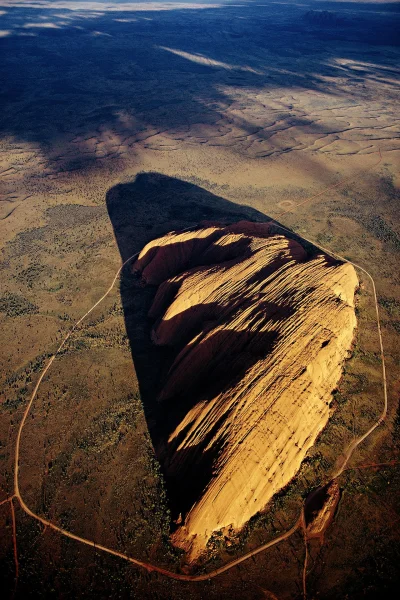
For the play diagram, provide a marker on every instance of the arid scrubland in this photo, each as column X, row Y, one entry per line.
column 123, row 121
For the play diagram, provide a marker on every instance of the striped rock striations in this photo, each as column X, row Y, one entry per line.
column 260, row 331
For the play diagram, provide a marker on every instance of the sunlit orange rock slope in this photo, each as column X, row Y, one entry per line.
column 260, row 332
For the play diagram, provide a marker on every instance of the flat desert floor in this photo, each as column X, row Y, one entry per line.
column 121, row 121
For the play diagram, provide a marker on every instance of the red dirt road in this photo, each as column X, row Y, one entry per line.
column 148, row 566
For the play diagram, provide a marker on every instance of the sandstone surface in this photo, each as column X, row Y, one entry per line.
column 260, row 330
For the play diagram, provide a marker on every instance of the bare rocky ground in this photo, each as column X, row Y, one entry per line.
column 119, row 122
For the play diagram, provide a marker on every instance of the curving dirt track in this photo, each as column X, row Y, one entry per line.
column 148, row 566
column 355, row 443
column 331, row 187
column 300, row 523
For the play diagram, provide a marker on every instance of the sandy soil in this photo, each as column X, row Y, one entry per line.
column 250, row 107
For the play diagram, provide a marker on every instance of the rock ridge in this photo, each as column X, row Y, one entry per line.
column 259, row 332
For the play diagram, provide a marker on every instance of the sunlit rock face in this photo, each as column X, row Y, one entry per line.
column 260, row 331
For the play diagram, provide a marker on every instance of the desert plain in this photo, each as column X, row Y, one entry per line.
column 123, row 121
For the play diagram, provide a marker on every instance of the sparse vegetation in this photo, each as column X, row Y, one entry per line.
column 260, row 107
column 391, row 305
column 15, row 305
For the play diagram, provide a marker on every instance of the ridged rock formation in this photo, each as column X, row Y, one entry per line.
column 260, row 332
column 326, row 501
